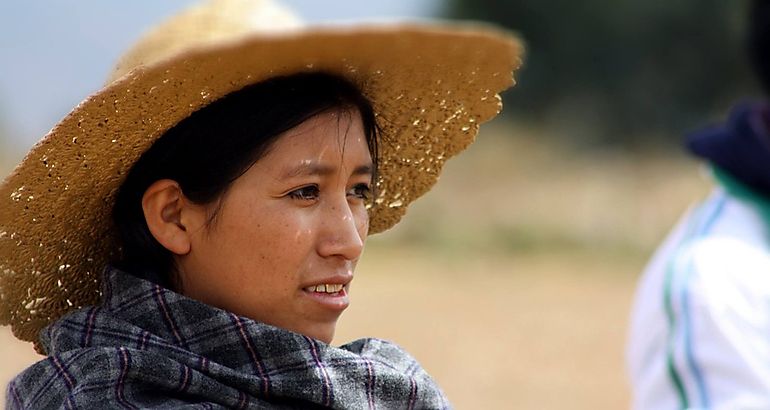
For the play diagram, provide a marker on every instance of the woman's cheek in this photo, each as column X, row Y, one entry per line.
column 362, row 222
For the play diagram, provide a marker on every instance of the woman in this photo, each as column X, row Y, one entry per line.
column 227, row 179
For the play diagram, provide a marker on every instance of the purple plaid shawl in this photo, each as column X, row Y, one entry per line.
column 148, row 347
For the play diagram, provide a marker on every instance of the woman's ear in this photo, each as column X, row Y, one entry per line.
column 163, row 204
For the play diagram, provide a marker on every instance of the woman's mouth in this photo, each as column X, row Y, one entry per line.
column 329, row 288
column 332, row 296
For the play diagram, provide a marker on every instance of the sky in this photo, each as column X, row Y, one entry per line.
column 54, row 53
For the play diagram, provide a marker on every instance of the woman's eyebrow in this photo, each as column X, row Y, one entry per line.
column 367, row 169
column 312, row 168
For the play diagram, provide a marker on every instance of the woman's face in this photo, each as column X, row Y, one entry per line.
column 288, row 233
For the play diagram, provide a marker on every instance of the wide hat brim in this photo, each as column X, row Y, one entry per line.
column 430, row 86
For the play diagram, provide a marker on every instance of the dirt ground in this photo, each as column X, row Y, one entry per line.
column 498, row 331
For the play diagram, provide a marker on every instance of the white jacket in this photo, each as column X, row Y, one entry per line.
column 700, row 325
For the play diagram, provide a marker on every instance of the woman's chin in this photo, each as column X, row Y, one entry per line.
column 323, row 332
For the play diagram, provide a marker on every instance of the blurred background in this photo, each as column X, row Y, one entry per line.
column 510, row 281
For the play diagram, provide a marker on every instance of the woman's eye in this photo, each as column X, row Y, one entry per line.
column 362, row 191
column 306, row 193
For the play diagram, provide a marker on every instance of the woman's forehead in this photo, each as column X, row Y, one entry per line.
column 308, row 168
column 321, row 145
column 340, row 122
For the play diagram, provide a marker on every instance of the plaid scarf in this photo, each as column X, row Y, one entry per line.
column 148, row 347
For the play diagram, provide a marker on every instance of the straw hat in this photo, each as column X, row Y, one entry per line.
column 430, row 86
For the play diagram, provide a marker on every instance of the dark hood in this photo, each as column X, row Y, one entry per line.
column 740, row 146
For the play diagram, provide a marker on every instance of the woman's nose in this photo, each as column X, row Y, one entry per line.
column 343, row 232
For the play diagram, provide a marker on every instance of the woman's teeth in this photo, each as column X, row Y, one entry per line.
column 327, row 288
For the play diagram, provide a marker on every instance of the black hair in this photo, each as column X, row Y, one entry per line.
column 758, row 40
column 207, row 151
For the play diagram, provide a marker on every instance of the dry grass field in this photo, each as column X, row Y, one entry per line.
column 511, row 281
column 500, row 331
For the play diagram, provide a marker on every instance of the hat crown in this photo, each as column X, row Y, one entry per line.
column 211, row 22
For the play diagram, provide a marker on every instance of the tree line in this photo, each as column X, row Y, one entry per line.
column 622, row 71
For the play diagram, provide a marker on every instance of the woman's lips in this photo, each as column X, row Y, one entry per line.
column 329, row 295
column 326, row 288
